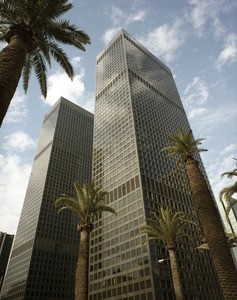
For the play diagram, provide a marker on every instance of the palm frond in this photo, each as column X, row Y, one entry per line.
column 183, row 145
column 226, row 196
column 57, row 32
column 26, row 73
column 8, row 12
column 104, row 208
column 51, row 10
column 89, row 202
column 61, row 58
column 230, row 205
column 40, row 71
column 65, row 202
column 203, row 247
column 167, row 226
column 44, row 46
column 68, row 207
column 231, row 239
column 230, row 174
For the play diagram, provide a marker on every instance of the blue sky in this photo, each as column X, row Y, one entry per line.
column 197, row 39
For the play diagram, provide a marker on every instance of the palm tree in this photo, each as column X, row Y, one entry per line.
column 32, row 29
column 169, row 228
column 89, row 202
column 185, row 146
column 227, row 192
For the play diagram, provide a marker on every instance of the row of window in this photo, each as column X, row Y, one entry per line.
column 108, row 86
column 113, row 45
column 148, row 54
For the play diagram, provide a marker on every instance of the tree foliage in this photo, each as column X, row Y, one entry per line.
column 89, row 202
column 167, row 226
column 39, row 23
column 227, row 193
column 183, row 145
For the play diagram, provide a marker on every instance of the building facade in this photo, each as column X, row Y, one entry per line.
column 137, row 104
column 5, row 249
column 43, row 260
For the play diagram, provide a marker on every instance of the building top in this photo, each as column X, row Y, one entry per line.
column 69, row 103
column 121, row 32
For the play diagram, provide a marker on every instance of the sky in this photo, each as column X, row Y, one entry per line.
column 196, row 39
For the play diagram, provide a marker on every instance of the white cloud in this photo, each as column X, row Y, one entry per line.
column 218, row 27
column 59, row 84
column 75, row 61
column 121, row 19
column 206, row 14
column 14, row 176
column 18, row 109
column 217, row 168
column 229, row 148
column 198, row 15
column 116, row 14
column 109, row 34
column 204, row 114
column 219, row 116
column 165, row 41
column 139, row 16
column 119, row 16
column 88, row 101
column 19, row 141
column 229, row 53
column 196, row 93
column 196, row 112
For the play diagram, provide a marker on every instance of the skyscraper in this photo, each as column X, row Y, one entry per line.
column 137, row 104
column 5, row 249
column 43, row 260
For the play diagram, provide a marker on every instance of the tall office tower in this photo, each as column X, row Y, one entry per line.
column 5, row 249
column 44, row 255
column 137, row 104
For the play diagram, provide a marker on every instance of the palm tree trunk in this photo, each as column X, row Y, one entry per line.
column 12, row 60
column 213, row 230
column 81, row 286
column 175, row 275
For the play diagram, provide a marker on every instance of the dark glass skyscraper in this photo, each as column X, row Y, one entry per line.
column 43, row 260
column 5, row 249
column 137, row 104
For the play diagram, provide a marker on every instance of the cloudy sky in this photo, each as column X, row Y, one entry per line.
column 197, row 39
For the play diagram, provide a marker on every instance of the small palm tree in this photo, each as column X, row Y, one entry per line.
column 185, row 147
column 89, row 202
column 227, row 192
column 33, row 32
column 169, row 228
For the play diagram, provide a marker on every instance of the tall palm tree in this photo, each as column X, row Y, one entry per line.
column 169, row 228
column 89, row 202
column 185, row 147
column 227, row 192
column 34, row 32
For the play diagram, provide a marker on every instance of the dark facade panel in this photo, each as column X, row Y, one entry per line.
column 43, row 260
column 5, row 250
